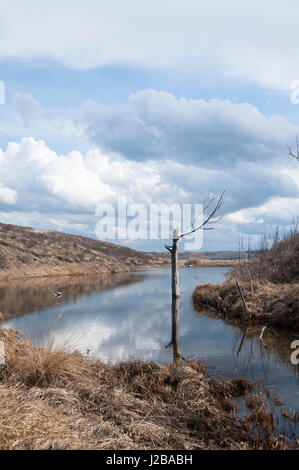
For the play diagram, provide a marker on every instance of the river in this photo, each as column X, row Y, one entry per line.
column 128, row 316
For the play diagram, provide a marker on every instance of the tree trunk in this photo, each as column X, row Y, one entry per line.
column 174, row 332
column 175, row 268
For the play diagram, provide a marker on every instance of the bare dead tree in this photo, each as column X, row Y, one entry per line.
column 211, row 206
column 292, row 153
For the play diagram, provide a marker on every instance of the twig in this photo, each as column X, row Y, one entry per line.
column 242, row 296
column 242, row 341
column 207, row 305
column 250, row 278
column 209, row 220
column 291, row 153
column 262, row 332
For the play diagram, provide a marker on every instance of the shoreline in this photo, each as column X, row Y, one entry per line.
column 206, row 263
column 266, row 304
column 262, row 290
column 51, row 272
column 41, row 271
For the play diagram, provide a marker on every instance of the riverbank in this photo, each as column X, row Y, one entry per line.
column 206, row 263
column 263, row 290
column 58, row 400
column 268, row 304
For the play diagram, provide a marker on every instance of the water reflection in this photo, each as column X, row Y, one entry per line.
column 132, row 320
column 20, row 297
column 259, row 344
column 268, row 344
column 174, row 343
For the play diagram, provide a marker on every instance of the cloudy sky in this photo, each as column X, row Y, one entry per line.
column 156, row 102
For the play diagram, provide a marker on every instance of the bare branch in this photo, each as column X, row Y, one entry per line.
column 211, row 217
column 209, row 200
column 294, row 154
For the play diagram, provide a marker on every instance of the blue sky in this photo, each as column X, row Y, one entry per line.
column 154, row 102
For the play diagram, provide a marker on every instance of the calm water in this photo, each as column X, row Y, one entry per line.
column 129, row 316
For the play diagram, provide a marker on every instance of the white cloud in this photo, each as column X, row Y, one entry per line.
column 7, row 195
column 274, row 212
column 48, row 190
column 156, row 125
column 247, row 40
column 76, row 182
column 156, row 148
column 46, row 181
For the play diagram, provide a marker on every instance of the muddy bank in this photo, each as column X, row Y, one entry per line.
column 269, row 304
column 55, row 400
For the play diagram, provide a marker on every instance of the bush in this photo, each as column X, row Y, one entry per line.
column 277, row 264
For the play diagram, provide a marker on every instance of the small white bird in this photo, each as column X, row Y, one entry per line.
column 57, row 294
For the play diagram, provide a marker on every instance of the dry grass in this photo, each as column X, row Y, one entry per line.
column 203, row 263
column 276, row 264
column 270, row 284
column 270, row 304
column 54, row 400
column 26, row 252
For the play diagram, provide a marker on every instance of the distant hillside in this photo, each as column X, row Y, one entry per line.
column 212, row 255
column 219, row 255
column 205, row 262
column 27, row 252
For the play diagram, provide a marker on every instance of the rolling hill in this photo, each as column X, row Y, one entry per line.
column 27, row 252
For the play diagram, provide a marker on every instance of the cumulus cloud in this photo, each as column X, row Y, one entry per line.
column 154, row 149
column 78, row 182
column 236, row 38
column 7, row 195
column 50, row 190
column 44, row 180
column 157, row 125
column 276, row 211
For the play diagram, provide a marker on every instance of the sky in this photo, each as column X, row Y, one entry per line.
column 151, row 102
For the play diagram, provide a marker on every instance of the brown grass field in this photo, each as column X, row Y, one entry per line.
column 50, row 399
